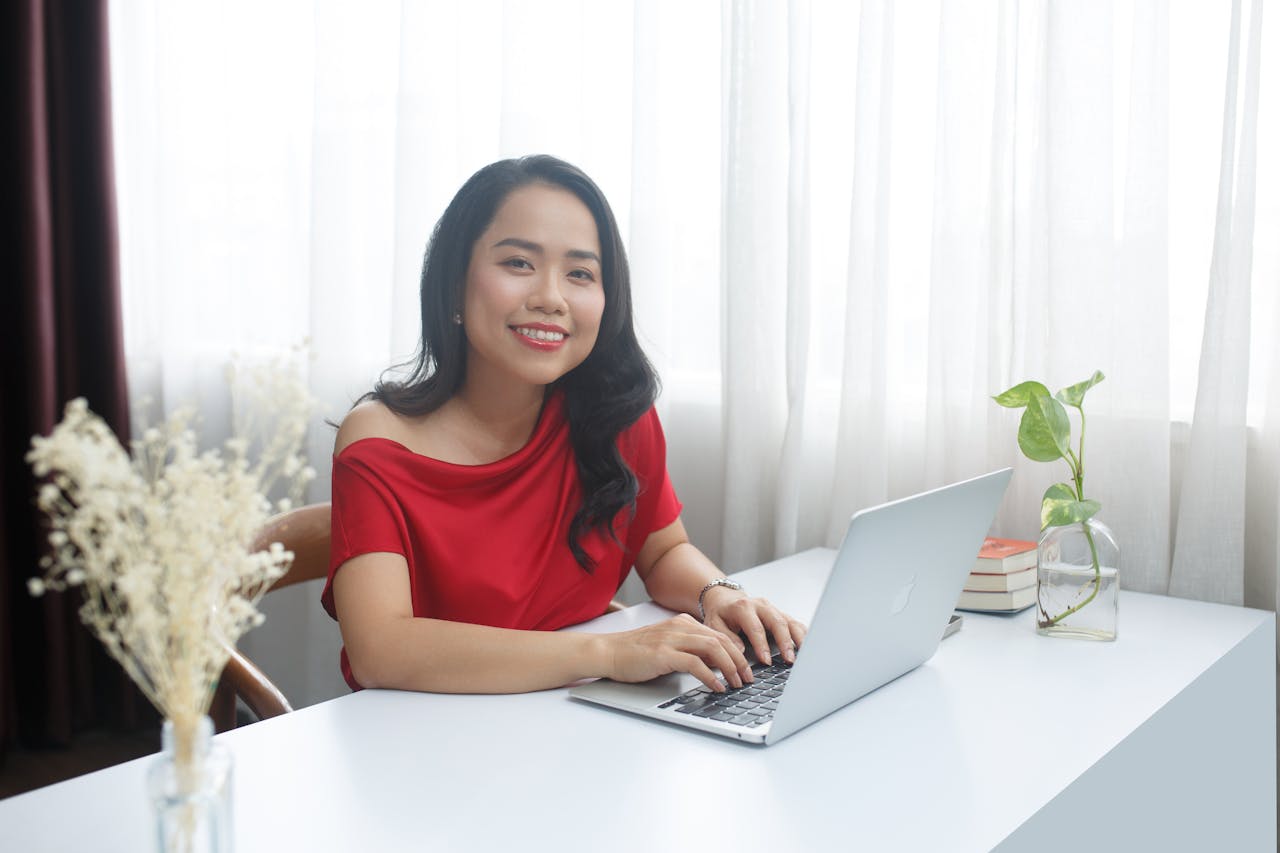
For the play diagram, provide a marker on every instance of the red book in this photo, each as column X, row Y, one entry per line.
column 1005, row 556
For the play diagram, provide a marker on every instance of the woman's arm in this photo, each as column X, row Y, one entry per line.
column 389, row 647
column 675, row 573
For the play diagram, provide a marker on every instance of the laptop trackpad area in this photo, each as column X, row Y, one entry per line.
column 639, row 696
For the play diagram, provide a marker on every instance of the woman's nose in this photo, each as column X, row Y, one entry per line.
column 545, row 294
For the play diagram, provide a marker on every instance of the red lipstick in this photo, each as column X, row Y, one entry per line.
column 545, row 338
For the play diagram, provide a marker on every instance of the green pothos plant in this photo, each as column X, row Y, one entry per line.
column 1044, row 435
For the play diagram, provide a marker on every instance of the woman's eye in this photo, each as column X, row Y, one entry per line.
column 519, row 264
column 583, row 275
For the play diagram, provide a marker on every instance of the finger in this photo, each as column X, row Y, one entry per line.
column 721, row 626
column 694, row 665
column 798, row 631
column 756, row 636
column 735, row 649
column 705, row 642
column 715, row 649
column 708, row 647
column 780, row 628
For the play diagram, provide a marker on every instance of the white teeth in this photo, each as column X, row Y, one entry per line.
column 541, row 335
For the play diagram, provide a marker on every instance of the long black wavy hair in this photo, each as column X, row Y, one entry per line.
column 603, row 396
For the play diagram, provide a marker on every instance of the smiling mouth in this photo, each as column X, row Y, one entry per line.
column 541, row 335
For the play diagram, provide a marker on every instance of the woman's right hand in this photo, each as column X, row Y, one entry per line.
column 680, row 644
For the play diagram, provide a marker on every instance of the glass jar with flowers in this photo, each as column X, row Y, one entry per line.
column 1078, row 560
column 157, row 542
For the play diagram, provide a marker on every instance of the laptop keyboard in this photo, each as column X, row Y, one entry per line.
column 751, row 705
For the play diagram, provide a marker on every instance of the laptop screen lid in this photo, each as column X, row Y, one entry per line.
column 895, row 581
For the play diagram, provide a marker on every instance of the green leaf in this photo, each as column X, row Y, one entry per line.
column 1019, row 395
column 1060, row 507
column 1059, row 492
column 1074, row 395
column 1045, row 432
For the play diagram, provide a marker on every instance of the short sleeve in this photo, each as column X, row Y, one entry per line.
column 644, row 446
column 366, row 516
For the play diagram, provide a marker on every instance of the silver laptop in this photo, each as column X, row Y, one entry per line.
column 890, row 593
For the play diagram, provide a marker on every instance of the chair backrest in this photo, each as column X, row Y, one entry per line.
column 304, row 531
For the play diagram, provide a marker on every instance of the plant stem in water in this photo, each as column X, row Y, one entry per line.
column 1097, row 580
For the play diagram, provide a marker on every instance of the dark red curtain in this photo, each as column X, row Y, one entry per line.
column 61, row 338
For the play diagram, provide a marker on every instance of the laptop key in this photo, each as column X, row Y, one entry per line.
column 694, row 707
column 722, row 717
column 743, row 720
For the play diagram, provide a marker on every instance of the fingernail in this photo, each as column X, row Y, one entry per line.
column 720, row 688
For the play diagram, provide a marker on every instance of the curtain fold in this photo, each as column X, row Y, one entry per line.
column 1208, row 557
column 753, row 329
column 969, row 149
column 861, row 471
column 62, row 338
column 1134, row 433
column 799, row 272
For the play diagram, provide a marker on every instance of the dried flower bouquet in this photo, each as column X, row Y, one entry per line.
column 158, row 540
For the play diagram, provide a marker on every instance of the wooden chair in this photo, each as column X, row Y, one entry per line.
column 304, row 531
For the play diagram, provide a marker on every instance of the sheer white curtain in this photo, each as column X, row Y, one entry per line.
column 849, row 225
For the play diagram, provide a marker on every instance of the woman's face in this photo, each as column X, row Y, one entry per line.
column 534, row 295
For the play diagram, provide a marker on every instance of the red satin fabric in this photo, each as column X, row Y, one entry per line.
column 487, row 544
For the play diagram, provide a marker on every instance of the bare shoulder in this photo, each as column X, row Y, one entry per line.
column 370, row 419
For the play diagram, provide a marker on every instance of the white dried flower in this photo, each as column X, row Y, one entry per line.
column 157, row 539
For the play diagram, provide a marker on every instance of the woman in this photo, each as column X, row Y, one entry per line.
column 506, row 487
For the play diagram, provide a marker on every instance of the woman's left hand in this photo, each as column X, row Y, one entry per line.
column 733, row 612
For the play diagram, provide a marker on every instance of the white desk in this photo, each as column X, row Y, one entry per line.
column 1171, row 745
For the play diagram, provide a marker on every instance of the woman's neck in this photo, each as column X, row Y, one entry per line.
column 505, row 412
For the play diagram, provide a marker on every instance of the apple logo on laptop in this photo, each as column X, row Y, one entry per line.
column 903, row 597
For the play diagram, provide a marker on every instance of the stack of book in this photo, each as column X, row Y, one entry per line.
column 1004, row 578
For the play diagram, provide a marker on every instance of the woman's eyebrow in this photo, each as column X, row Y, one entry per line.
column 583, row 255
column 536, row 248
column 527, row 245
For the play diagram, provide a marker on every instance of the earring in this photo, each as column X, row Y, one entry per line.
column 457, row 319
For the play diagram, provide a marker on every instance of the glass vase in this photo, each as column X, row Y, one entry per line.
column 1078, row 582
column 190, row 787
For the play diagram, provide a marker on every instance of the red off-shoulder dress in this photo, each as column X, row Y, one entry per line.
column 487, row 544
